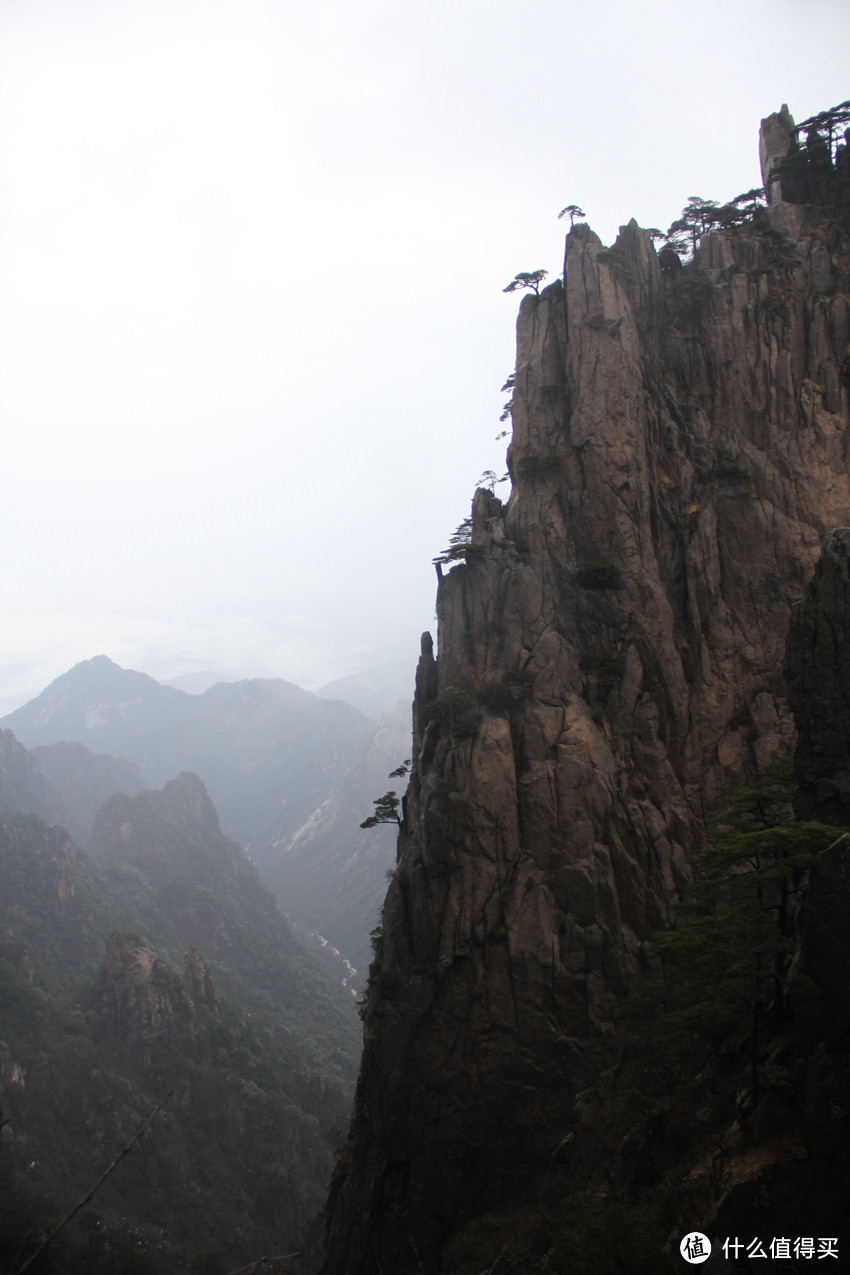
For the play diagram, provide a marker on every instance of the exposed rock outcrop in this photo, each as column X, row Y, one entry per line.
column 610, row 663
column 169, row 832
column 200, row 983
column 142, row 999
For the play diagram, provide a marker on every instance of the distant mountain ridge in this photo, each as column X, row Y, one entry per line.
column 62, row 783
column 23, row 783
column 375, row 691
column 196, row 683
column 84, row 781
column 291, row 774
column 241, row 737
column 94, row 703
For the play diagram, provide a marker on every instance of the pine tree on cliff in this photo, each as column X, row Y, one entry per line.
column 527, row 279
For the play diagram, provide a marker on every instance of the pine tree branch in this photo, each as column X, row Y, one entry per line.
column 124, row 1151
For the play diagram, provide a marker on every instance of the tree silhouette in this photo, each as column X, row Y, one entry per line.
column 489, row 479
column 728, row 964
column 817, row 171
column 386, row 807
column 508, row 407
column 572, row 211
column 460, row 542
column 698, row 217
column 828, row 125
column 386, row 811
column 526, row 279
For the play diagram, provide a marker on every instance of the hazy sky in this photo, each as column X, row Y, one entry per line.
column 252, row 252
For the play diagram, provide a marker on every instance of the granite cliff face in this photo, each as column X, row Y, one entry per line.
column 610, row 664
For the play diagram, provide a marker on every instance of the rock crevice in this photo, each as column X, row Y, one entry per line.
column 610, row 662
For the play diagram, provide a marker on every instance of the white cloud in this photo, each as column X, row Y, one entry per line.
column 251, row 258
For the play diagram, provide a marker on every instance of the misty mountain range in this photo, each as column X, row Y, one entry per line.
column 147, row 956
column 291, row 773
column 154, row 962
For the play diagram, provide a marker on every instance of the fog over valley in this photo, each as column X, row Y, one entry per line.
column 424, row 712
column 252, row 327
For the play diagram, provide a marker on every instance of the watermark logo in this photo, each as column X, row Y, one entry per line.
column 695, row 1248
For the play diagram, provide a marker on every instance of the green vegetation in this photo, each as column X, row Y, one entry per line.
column 460, row 545
column 573, row 212
column 490, row 480
column 584, row 1235
column 699, row 216
column 514, row 688
column 617, row 259
column 508, row 408
column 539, row 466
column 601, row 324
column 457, row 709
column 527, row 279
column 690, row 299
column 257, row 1045
column 817, row 170
column 726, row 966
column 386, row 811
column 706, row 1045
column 605, row 670
column 597, row 575
column 387, row 807
column 729, row 472
column 609, row 1235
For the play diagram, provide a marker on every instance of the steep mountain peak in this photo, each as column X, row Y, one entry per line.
column 610, row 665
column 101, row 673
column 92, row 703
column 174, row 832
column 141, row 998
column 187, row 794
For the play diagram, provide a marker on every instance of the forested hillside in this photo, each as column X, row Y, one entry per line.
column 157, row 964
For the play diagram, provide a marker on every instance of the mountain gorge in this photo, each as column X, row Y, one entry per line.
column 611, row 667
column 143, row 955
column 291, row 775
column 608, row 1002
column 156, row 963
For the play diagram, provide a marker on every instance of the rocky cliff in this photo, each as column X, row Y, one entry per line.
column 610, row 664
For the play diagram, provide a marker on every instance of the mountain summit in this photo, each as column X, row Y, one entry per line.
column 610, row 667
column 292, row 775
column 96, row 703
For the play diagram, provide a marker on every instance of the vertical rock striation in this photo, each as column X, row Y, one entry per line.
column 610, row 662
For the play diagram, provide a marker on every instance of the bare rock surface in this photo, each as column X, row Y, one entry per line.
column 141, row 997
column 610, row 664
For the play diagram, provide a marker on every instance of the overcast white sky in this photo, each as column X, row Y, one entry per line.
column 252, row 252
